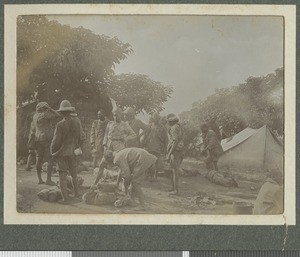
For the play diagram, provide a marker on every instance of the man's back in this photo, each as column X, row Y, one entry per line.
column 42, row 125
column 66, row 137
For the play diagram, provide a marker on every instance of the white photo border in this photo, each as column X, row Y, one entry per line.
column 11, row 216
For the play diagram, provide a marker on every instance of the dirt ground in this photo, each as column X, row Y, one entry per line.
column 197, row 194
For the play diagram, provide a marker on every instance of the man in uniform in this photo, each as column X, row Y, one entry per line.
column 175, row 150
column 212, row 147
column 43, row 132
column 117, row 131
column 65, row 144
column 156, row 140
column 133, row 163
column 136, row 125
column 97, row 136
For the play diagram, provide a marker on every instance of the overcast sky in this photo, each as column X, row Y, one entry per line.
column 194, row 54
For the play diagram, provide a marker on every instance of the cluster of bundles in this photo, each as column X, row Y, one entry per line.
column 52, row 194
column 104, row 194
column 219, row 179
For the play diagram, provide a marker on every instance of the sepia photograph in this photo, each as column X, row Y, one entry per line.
column 150, row 114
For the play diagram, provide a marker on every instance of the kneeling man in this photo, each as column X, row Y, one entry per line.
column 133, row 164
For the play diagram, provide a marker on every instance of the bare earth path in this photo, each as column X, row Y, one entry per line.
column 158, row 200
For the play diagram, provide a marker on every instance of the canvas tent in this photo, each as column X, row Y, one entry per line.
column 253, row 149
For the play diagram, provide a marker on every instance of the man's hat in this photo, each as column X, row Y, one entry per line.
column 65, row 106
column 41, row 105
column 172, row 117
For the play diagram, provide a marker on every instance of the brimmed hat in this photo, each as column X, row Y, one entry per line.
column 65, row 106
column 41, row 105
column 129, row 110
column 172, row 117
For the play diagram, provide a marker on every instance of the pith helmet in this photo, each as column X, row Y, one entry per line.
column 65, row 106
column 41, row 105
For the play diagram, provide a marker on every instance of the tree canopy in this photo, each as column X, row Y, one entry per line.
column 256, row 102
column 56, row 61
column 138, row 91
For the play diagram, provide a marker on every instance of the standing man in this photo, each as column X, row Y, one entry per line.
column 133, row 163
column 136, row 125
column 175, row 150
column 117, row 131
column 97, row 136
column 156, row 141
column 212, row 147
column 65, row 145
column 215, row 128
column 43, row 133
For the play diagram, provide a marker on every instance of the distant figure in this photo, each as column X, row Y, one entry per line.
column 214, row 126
column 212, row 148
column 117, row 131
column 133, row 163
column 66, row 144
column 29, row 135
column 97, row 136
column 270, row 197
column 175, row 149
column 43, row 134
column 136, row 125
column 156, row 141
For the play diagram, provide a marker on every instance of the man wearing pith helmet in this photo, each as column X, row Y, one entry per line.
column 41, row 132
column 66, row 142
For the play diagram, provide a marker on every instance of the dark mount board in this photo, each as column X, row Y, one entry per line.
column 120, row 237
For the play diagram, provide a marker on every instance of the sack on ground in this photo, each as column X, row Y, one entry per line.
column 107, row 186
column 104, row 198
column 220, row 179
column 52, row 194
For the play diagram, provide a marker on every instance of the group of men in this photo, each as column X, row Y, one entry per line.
column 136, row 148
column 126, row 143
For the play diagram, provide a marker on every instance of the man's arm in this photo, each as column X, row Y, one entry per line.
column 53, row 113
column 130, row 133
column 57, row 140
column 174, row 131
column 105, row 139
column 92, row 137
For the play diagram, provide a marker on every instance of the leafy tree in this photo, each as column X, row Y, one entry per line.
column 138, row 91
column 257, row 102
column 57, row 62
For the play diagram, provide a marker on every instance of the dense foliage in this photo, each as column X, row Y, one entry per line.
column 257, row 102
column 138, row 91
column 56, row 61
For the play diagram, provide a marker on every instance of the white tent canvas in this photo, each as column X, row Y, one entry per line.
column 253, row 149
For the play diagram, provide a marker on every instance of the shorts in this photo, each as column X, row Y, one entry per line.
column 67, row 164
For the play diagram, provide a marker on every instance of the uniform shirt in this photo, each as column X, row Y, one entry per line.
column 67, row 137
column 42, row 127
column 175, row 135
column 117, row 131
column 213, row 144
column 269, row 199
column 98, row 133
column 133, row 160
column 157, row 139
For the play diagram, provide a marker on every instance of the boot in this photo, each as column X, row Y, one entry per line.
column 75, row 186
column 63, row 183
column 39, row 174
